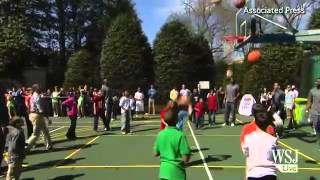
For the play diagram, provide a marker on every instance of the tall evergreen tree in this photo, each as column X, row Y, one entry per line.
column 126, row 59
column 79, row 69
column 181, row 57
column 279, row 63
column 13, row 41
column 315, row 20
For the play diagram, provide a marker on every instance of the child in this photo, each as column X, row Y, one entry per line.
column 212, row 105
column 11, row 108
column 173, row 148
column 163, row 112
column 72, row 112
column 98, row 111
column 125, row 113
column 199, row 112
column 16, row 148
column 258, row 144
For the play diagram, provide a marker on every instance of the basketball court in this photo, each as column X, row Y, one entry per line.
column 216, row 152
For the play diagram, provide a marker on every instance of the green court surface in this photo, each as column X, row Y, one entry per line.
column 119, row 157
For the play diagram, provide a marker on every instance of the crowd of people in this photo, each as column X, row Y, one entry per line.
column 34, row 107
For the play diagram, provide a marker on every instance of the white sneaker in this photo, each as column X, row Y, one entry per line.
column 223, row 125
column 232, row 124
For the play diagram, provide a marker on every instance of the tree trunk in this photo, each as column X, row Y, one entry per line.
column 61, row 30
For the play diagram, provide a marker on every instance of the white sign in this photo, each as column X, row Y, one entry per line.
column 246, row 103
column 204, row 84
column 286, row 160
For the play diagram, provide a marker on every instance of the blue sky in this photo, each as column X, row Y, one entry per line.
column 153, row 14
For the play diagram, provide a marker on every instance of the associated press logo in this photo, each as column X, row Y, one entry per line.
column 286, row 160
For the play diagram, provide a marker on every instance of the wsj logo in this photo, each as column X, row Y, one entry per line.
column 286, row 160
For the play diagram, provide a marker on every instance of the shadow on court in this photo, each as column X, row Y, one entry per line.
column 57, row 149
column 301, row 135
column 52, row 163
column 210, row 158
column 67, row 177
column 196, row 150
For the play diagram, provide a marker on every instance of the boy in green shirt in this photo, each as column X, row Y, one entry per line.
column 173, row 148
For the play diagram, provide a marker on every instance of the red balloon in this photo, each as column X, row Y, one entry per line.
column 254, row 55
column 239, row 3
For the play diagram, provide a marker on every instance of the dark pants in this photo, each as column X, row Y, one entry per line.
column 316, row 124
column 72, row 129
column 230, row 112
column 108, row 117
column 268, row 177
column 3, row 134
column 96, row 120
column 211, row 117
column 199, row 121
column 28, row 122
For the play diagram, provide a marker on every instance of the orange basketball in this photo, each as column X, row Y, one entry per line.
column 239, row 3
column 254, row 55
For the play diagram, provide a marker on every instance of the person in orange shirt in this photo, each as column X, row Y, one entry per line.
column 163, row 112
column 258, row 142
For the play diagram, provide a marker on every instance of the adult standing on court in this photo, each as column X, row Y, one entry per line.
column 221, row 97
column 152, row 93
column 55, row 101
column 230, row 99
column 38, row 121
column 4, row 121
column 289, row 104
column 108, row 102
column 277, row 105
column 139, row 98
column 313, row 107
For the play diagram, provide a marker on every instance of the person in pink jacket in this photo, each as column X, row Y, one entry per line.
column 72, row 112
column 212, row 103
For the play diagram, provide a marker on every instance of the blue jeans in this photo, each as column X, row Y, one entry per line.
column 212, row 117
column 230, row 112
column 316, row 124
column 182, row 115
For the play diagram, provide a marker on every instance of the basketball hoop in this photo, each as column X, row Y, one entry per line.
column 229, row 51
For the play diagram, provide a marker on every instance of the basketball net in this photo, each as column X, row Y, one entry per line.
column 229, row 52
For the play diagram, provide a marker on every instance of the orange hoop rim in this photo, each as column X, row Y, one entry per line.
column 229, row 38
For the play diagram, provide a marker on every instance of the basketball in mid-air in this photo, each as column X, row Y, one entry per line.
column 254, row 56
column 239, row 3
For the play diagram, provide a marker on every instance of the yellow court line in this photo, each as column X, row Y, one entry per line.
column 299, row 152
column 78, row 150
column 157, row 166
column 62, row 134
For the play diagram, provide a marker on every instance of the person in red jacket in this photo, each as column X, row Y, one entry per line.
column 212, row 103
column 199, row 112
column 98, row 110
column 163, row 112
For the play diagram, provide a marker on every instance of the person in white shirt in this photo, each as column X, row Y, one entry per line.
column 296, row 92
column 289, row 105
column 258, row 147
column 125, row 113
column 139, row 98
column 184, row 91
